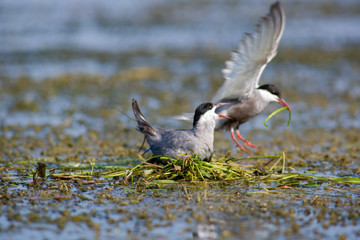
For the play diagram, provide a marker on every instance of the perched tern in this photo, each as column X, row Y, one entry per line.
column 199, row 140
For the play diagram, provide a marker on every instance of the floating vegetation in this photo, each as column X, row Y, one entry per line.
column 191, row 169
column 40, row 173
column 188, row 169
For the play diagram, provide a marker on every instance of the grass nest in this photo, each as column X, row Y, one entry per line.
column 191, row 169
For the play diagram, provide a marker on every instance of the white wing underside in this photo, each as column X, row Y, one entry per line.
column 242, row 73
column 185, row 117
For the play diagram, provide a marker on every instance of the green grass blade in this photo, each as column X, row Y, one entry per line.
column 289, row 118
column 276, row 112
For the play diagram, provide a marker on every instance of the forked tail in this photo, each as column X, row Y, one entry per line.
column 143, row 126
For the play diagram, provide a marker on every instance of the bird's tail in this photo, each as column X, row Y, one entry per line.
column 143, row 125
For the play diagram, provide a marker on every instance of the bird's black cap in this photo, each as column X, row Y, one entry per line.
column 271, row 88
column 200, row 110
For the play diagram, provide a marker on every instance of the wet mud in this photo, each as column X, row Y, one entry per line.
column 63, row 126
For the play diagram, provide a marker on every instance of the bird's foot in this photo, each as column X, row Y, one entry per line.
column 246, row 141
column 251, row 144
column 242, row 148
column 238, row 144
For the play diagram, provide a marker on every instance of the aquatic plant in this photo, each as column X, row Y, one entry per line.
column 276, row 112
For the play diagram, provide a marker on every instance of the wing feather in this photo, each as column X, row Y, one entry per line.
column 243, row 72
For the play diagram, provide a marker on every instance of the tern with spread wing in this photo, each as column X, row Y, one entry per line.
column 241, row 89
column 199, row 140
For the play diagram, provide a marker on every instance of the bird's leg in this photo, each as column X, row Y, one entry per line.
column 237, row 143
column 245, row 141
column 142, row 145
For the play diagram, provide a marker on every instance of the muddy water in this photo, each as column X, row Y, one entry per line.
column 68, row 72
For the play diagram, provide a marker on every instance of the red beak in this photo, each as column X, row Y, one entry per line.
column 223, row 116
column 284, row 103
column 220, row 105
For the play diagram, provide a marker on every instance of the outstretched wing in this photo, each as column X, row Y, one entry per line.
column 242, row 73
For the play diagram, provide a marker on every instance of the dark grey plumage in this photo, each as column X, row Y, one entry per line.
column 174, row 143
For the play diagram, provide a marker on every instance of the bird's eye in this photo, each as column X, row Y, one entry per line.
column 209, row 106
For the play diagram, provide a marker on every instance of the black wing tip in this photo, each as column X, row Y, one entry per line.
column 276, row 7
column 136, row 108
column 138, row 114
column 276, row 14
column 143, row 126
column 134, row 103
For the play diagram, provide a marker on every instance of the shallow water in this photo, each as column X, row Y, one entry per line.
column 68, row 72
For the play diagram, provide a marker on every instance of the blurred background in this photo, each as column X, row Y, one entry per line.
column 78, row 63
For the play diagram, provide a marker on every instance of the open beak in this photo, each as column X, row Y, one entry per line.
column 220, row 105
column 223, row 116
column 284, row 103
